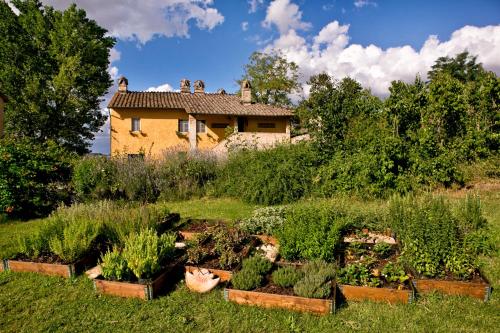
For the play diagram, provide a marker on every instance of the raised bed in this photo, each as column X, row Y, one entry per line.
column 224, row 275
column 167, row 223
column 62, row 270
column 386, row 295
column 480, row 290
column 141, row 290
column 288, row 302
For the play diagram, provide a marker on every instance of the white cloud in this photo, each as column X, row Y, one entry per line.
column 285, row 16
column 244, row 26
column 163, row 87
column 254, row 5
column 144, row 20
column 364, row 3
column 329, row 51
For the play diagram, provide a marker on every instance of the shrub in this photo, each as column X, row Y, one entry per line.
column 394, row 272
column 37, row 243
column 94, row 178
column 257, row 264
column 312, row 232
column 382, row 249
column 246, row 280
column 227, row 242
column 114, row 266
column 264, row 221
column 287, row 276
column 316, row 282
column 137, row 178
column 145, row 252
column 76, row 240
column 269, row 177
column 34, row 177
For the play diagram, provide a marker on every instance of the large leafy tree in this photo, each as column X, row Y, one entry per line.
column 272, row 78
column 463, row 67
column 53, row 66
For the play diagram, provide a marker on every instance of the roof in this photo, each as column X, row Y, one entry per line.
column 201, row 103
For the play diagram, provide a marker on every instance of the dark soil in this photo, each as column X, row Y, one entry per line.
column 271, row 288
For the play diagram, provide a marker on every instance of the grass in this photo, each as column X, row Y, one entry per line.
column 35, row 303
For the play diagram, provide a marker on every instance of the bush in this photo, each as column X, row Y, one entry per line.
column 356, row 274
column 76, row 240
column 264, row 221
column 382, row 249
column 316, row 282
column 269, row 177
column 37, row 243
column 114, row 266
column 34, row 177
column 312, row 233
column 287, row 276
column 257, row 264
column 145, row 252
column 94, row 178
column 246, row 280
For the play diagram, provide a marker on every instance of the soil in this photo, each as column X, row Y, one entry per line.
column 271, row 288
column 42, row 259
column 199, row 225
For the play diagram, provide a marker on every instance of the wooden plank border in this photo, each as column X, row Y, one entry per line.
column 60, row 270
column 387, row 295
column 295, row 303
column 479, row 290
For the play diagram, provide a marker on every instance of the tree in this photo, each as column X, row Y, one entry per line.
column 463, row 67
column 330, row 107
column 54, row 69
column 272, row 78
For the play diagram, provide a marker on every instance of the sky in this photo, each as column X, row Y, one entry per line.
column 159, row 42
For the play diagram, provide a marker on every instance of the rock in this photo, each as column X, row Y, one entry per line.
column 94, row 272
column 201, row 280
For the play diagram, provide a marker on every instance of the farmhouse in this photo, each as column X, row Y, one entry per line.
column 3, row 100
column 152, row 122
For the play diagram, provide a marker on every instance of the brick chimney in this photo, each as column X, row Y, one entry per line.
column 122, row 84
column 199, row 87
column 246, row 92
column 185, row 86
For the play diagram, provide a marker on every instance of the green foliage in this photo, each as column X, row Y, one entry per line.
column 54, row 68
column 264, row 221
column 34, row 177
column 316, row 282
column 137, row 178
column 287, row 277
column 257, row 264
column 94, row 178
column 394, row 272
column 272, row 78
column 76, row 240
column 273, row 176
column 312, row 233
column 38, row 243
column 145, row 252
column 357, row 274
column 434, row 241
column 382, row 249
column 463, row 67
column 246, row 280
column 114, row 266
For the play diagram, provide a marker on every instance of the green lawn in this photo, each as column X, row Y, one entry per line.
column 34, row 303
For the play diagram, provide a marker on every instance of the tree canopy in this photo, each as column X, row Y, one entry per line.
column 272, row 78
column 53, row 66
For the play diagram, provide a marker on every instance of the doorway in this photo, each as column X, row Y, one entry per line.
column 241, row 124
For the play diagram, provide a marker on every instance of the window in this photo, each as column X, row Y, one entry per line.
column 266, row 125
column 183, row 126
column 200, row 126
column 136, row 124
column 219, row 125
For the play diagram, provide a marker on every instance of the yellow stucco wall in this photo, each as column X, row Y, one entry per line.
column 159, row 130
column 2, row 104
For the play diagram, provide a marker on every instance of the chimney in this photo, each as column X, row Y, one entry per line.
column 122, row 84
column 221, row 91
column 246, row 92
column 199, row 87
column 185, row 86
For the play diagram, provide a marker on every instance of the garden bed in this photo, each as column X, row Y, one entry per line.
column 51, row 269
column 363, row 293
column 146, row 290
column 282, row 301
column 193, row 227
column 478, row 288
column 167, row 223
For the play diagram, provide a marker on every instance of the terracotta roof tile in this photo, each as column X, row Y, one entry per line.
column 194, row 103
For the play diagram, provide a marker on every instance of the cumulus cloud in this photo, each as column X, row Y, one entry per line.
column 254, row 5
column 144, row 20
column 162, row 87
column 329, row 51
column 285, row 16
column 364, row 3
column 244, row 26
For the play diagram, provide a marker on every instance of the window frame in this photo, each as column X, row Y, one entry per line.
column 135, row 121
column 181, row 123
column 198, row 126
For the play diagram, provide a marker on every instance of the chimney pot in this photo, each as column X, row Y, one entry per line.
column 122, row 84
column 199, row 87
column 246, row 92
column 185, row 86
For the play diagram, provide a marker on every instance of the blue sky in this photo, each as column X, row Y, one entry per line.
column 159, row 42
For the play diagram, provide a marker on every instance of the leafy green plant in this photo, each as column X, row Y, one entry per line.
column 246, row 280
column 316, row 282
column 394, row 272
column 145, row 252
column 357, row 274
column 37, row 243
column 114, row 266
column 264, row 221
column 257, row 264
column 383, row 250
column 94, row 178
column 287, row 276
